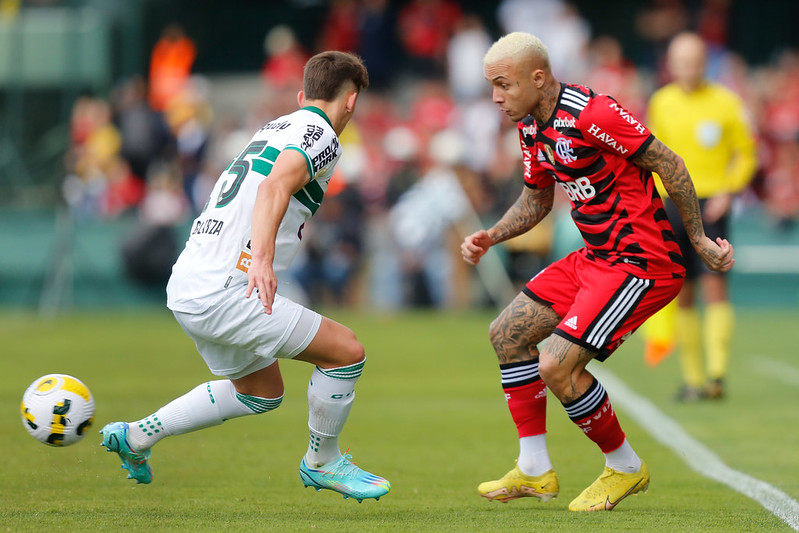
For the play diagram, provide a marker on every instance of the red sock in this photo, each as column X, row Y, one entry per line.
column 593, row 414
column 526, row 393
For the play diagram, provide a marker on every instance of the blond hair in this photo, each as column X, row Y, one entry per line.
column 517, row 46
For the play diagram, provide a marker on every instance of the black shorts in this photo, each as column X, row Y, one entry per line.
column 694, row 266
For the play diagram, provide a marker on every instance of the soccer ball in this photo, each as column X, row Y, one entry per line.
column 57, row 409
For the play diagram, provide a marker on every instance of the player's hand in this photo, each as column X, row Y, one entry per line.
column 475, row 246
column 262, row 279
column 717, row 255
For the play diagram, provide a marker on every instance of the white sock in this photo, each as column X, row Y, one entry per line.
column 623, row 459
column 204, row 406
column 533, row 455
column 330, row 395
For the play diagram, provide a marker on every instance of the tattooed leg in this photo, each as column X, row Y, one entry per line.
column 518, row 329
column 562, row 367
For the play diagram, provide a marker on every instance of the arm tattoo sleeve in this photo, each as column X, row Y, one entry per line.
column 672, row 171
column 528, row 210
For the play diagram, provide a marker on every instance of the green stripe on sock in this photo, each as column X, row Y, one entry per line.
column 344, row 372
column 259, row 405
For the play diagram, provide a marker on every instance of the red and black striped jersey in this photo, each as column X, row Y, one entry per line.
column 585, row 148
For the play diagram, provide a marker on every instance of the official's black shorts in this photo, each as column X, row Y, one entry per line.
column 694, row 265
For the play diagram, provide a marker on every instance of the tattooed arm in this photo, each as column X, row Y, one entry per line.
column 528, row 210
column 672, row 171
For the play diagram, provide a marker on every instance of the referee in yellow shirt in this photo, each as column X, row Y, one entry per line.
column 707, row 125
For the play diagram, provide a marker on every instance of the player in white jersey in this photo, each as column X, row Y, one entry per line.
column 224, row 291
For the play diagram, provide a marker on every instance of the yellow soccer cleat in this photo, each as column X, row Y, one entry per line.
column 517, row 484
column 610, row 488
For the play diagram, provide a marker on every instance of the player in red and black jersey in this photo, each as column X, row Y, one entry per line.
column 589, row 302
column 585, row 147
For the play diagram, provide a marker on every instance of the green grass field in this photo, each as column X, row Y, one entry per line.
column 429, row 415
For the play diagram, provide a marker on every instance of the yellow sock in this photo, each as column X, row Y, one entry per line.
column 659, row 334
column 688, row 333
column 719, row 319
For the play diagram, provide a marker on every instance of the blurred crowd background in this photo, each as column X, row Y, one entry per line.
column 116, row 118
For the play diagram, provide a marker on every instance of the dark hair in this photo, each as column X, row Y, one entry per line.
column 327, row 73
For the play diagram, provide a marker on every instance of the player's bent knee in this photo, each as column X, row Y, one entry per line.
column 334, row 346
column 551, row 372
column 353, row 352
column 349, row 349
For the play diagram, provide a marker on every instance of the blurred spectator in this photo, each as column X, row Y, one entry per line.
column 465, row 53
column 658, row 22
column 340, row 29
column 712, row 23
column 189, row 116
column 778, row 88
column 423, row 219
column 151, row 248
column 378, row 44
column 558, row 24
column 431, row 109
column 170, row 65
column 145, row 135
column 333, row 248
column 99, row 182
column 425, row 27
column 285, row 59
column 610, row 72
column 782, row 184
column 479, row 122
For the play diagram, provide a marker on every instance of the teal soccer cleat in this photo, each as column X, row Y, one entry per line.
column 344, row 477
column 115, row 439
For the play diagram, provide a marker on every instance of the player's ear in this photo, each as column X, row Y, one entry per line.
column 539, row 77
column 351, row 99
column 301, row 98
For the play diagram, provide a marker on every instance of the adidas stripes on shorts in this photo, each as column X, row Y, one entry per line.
column 600, row 305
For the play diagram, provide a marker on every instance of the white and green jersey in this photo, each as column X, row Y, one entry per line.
column 217, row 254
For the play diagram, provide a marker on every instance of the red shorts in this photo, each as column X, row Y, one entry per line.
column 600, row 305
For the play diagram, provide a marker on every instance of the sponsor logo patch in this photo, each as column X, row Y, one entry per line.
column 244, row 262
column 563, row 123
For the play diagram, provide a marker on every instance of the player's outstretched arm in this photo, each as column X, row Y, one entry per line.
column 289, row 175
column 527, row 211
column 672, row 171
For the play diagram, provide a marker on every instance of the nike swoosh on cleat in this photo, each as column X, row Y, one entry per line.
column 609, row 505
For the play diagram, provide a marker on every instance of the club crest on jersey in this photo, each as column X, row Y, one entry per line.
column 563, row 147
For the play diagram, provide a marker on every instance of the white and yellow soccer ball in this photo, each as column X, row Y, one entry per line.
column 57, row 409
